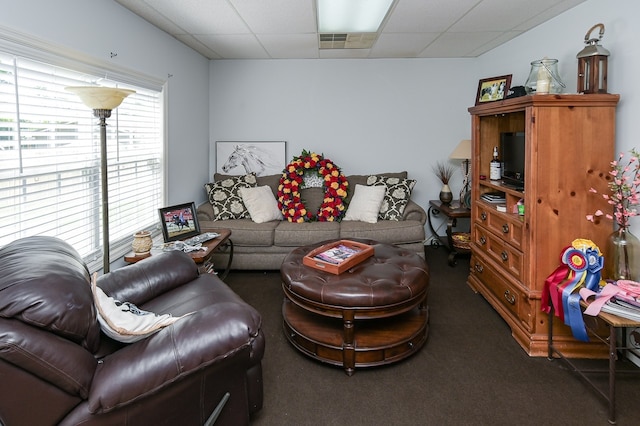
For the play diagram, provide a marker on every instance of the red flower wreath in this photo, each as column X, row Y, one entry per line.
column 335, row 187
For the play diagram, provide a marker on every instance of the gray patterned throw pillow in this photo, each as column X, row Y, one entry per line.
column 396, row 197
column 225, row 197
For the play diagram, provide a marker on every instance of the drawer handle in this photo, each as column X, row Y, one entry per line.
column 483, row 215
column 504, row 255
column 483, row 240
column 510, row 297
column 478, row 267
column 505, row 228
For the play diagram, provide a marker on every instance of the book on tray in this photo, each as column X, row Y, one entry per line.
column 337, row 254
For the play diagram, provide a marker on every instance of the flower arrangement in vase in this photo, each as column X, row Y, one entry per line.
column 622, row 258
column 444, row 172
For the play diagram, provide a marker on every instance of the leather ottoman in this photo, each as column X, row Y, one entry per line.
column 373, row 314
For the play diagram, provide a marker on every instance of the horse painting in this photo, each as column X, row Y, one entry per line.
column 180, row 222
column 252, row 158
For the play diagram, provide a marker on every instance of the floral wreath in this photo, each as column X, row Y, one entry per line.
column 335, row 189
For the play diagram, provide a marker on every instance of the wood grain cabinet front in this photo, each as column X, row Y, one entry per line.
column 568, row 143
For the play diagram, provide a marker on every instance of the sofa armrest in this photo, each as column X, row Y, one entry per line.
column 224, row 332
column 414, row 211
column 149, row 278
column 205, row 211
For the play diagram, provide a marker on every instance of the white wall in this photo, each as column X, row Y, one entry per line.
column 389, row 115
column 368, row 116
column 562, row 38
column 96, row 28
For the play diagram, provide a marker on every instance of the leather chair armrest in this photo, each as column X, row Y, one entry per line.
column 218, row 334
column 54, row 359
column 149, row 278
column 414, row 211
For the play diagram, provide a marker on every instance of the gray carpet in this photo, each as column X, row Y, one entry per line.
column 470, row 371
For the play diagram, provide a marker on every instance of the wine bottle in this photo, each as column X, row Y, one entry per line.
column 496, row 166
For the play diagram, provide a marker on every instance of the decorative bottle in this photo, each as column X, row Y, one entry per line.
column 496, row 166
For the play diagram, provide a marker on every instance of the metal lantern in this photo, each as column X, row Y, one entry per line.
column 592, row 64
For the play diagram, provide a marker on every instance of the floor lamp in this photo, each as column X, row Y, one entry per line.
column 102, row 100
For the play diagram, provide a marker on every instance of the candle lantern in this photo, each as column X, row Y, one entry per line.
column 592, row 64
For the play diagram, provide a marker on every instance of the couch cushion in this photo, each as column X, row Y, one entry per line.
column 261, row 204
column 246, row 232
column 362, row 180
column 289, row 234
column 397, row 196
column 385, row 231
column 225, row 198
column 272, row 181
column 365, row 204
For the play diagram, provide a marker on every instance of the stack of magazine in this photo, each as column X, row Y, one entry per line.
column 337, row 254
column 625, row 304
column 494, row 197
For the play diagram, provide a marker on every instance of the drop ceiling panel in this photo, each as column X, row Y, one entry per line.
column 236, row 29
column 297, row 46
column 500, row 15
column 458, row 45
column 201, row 16
column 401, row 45
column 278, row 16
column 235, row 46
column 416, row 16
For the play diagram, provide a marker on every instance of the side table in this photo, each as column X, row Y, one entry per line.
column 200, row 257
column 453, row 212
column 614, row 323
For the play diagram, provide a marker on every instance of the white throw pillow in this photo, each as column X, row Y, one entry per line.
column 261, row 204
column 365, row 203
column 123, row 321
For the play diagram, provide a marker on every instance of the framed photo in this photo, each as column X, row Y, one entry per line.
column 240, row 158
column 179, row 222
column 493, row 89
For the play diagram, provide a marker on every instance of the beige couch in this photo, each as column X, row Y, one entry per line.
column 263, row 246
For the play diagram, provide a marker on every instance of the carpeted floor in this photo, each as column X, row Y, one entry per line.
column 470, row 371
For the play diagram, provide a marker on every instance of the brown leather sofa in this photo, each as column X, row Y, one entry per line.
column 58, row 367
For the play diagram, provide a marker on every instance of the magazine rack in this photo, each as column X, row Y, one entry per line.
column 361, row 252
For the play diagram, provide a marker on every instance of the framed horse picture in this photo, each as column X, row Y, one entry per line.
column 179, row 222
column 259, row 157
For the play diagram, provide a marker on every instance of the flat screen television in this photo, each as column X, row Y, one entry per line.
column 512, row 148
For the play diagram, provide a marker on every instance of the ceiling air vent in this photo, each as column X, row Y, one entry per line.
column 347, row 40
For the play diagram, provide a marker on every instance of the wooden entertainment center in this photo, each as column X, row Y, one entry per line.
column 569, row 144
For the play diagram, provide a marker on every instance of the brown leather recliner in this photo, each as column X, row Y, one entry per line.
column 57, row 367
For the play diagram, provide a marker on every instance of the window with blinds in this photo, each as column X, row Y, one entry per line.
column 50, row 159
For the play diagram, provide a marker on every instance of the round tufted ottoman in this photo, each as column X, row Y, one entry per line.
column 373, row 314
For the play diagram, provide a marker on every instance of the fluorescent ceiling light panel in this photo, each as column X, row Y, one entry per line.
column 362, row 16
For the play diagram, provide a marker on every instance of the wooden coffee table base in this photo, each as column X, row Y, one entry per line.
column 355, row 343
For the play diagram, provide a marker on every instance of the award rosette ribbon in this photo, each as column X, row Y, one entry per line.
column 581, row 266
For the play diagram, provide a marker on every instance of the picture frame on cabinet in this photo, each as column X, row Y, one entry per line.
column 493, row 89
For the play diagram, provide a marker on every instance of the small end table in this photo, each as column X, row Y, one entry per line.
column 200, row 257
column 453, row 212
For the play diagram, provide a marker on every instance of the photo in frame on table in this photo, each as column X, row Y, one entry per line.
column 493, row 89
column 179, row 222
column 243, row 157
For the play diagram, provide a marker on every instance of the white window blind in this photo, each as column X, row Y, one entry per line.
column 50, row 159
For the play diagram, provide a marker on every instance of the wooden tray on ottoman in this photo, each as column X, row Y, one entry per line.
column 355, row 253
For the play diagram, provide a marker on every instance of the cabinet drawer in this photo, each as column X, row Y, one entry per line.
column 509, row 228
column 509, row 258
column 500, row 289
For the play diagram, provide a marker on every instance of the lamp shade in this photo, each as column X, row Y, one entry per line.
column 462, row 151
column 96, row 97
